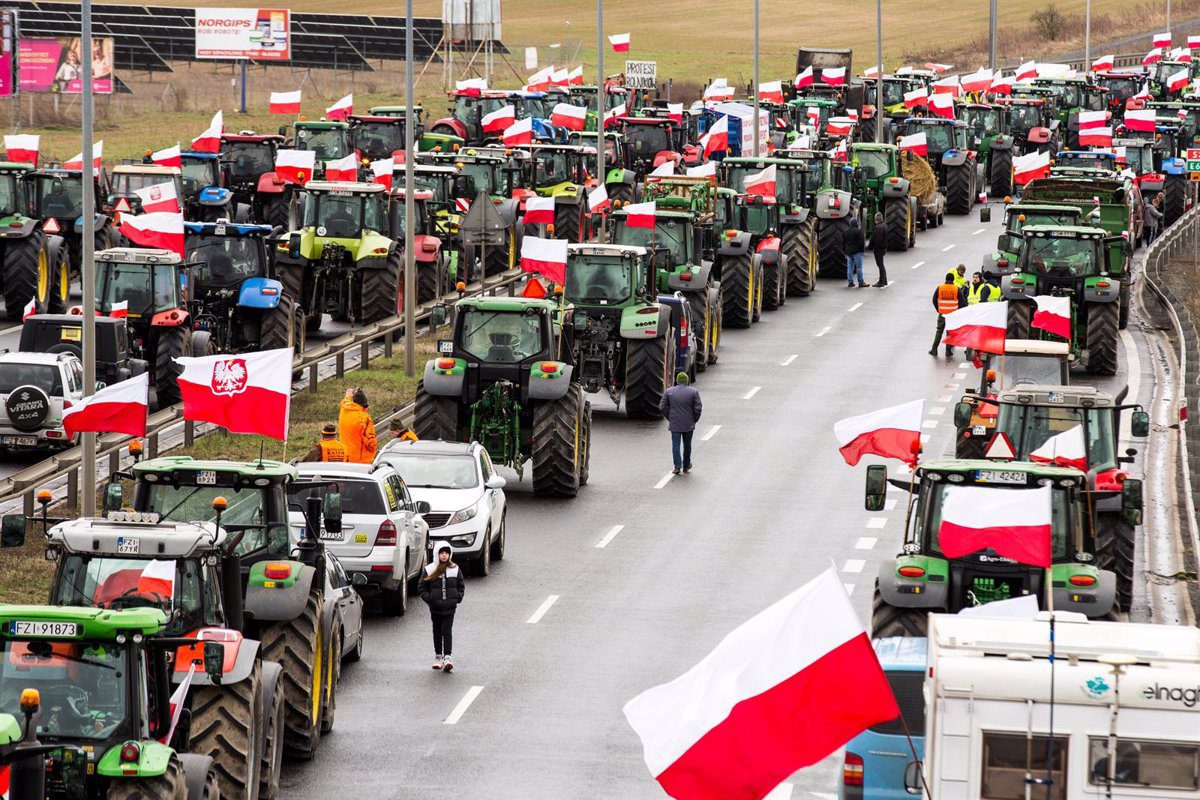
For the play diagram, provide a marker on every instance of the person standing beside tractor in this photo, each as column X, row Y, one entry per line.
column 442, row 589
column 960, row 276
column 879, row 244
column 854, row 244
column 979, row 291
column 328, row 449
column 681, row 405
column 1152, row 218
column 947, row 298
column 356, row 429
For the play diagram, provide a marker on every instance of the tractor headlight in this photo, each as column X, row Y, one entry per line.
column 462, row 515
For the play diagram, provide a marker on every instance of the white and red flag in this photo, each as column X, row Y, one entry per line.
column 839, row 126
column 771, row 92
column 1181, row 54
column 1153, row 57
column 97, row 158
column 381, row 172
column 1029, row 167
column 295, row 166
column 159, row 197
column 949, row 86
column 663, row 170
column 119, row 310
column 761, row 183
column 770, row 699
column 833, row 76
column 716, row 140
column 917, row 97
column 942, row 105
column 30, row 309
column 168, row 157
column 1015, row 523
column 560, row 77
column 933, row 66
column 675, row 111
column 540, row 80
column 1002, row 84
column 640, row 215
column 575, row 76
column 813, row 115
column 161, row 230
column 1178, row 80
column 619, row 42
column 1092, row 119
column 1103, row 63
column 285, row 102
column 568, row 116
column 803, row 79
column 612, row 117
column 1095, row 137
column 22, row 147
column 342, row 169
column 119, row 408
column 980, row 327
column 210, row 140
column 598, row 199
column 539, row 211
column 341, row 109
column 1053, row 314
column 471, row 86
column 1066, row 449
column 706, row 170
column 1027, row 71
column 519, row 133
column 871, row 72
column 893, row 432
column 545, row 256
column 177, row 703
column 719, row 90
column 497, row 121
column 158, row 578
column 1193, row 43
column 1162, row 39
column 247, row 393
column 1141, row 119
column 915, row 143
column 977, row 82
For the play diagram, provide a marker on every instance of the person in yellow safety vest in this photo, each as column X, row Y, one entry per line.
column 401, row 431
column 328, row 448
column 960, row 276
column 947, row 298
column 980, row 291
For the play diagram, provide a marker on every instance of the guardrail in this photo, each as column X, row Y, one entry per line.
column 68, row 463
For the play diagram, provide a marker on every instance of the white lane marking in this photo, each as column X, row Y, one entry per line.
column 855, row 307
column 929, row 423
column 542, row 609
column 924, row 439
column 608, row 537
column 976, row 233
column 889, row 504
column 789, row 359
column 849, row 588
column 951, row 386
column 463, row 705
column 853, row 565
column 877, row 522
column 1133, row 368
column 751, row 393
column 824, row 795
column 947, row 248
column 937, row 411
column 965, row 365
column 781, row 792
column 711, row 433
column 824, row 330
column 865, row 543
column 918, row 264
column 665, row 480
column 945, row 398
column 958, row 376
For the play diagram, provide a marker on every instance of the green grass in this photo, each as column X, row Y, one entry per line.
column 24, row 571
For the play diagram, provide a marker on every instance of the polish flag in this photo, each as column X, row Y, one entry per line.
column 839, row 126
column 640, row 215
column 1001, row 84
column 1015, row 523
column 914, row 143
column 1095, row 137
column 341, row 109
column 30, row 309
column 177, row 702
column 210, row 140
column 568, row 116
column 718, row 91
column 663, row 170
column 342, row 169
column 539, row 211
column 520, row 132
column 706, row 170
column 917, row 97
column 159, row 197
column 871, row 72
column 545, row 256
column 1141, row 119
column 540, row 80
column 942, row 105
column 717, row 138
column 498, row 120
column 770, row 699
column 119, row 310
column 1193, row 43
column 1066, row 449
column 1053, row 314
column 803, row 79
column 161, row 230
column 833, row 76
column 158, row 577
column 949, row 86
column 1103, row 63
column 933, row 66
column 1153, row 57
column 248, row 393
column 852, row 114
column 1027, row 168
column 771, row 92
column 471, row 85
column 168, row 157
column 813, row 115
column 22, row 148
column 560, row 77
column 761, row 183
column 575, row 76
column 675, row 111
column 1162, row 39
column 980, row 327
column 381, row 172
column 1092, row 119
column 1181, row 54
column 285, row 102
column 597, row 199
column 978, row 82
column 619, row 42
column 1178, row 80
column 611, row 117
column 120, row 408
column 97, row 158
column 295, row 166
column 893, row 432
column 1027, row 71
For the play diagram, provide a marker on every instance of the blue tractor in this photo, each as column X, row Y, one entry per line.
column 706, row 118
column 205, row 198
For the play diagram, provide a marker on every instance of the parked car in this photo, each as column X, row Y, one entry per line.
column 35, row 389
column 383, row 537
column 464, row 493
column 348, row 609
column 686, row 346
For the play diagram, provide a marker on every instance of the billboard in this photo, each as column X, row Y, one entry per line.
column 54, row 65
column 8, row 51
column 259, row 34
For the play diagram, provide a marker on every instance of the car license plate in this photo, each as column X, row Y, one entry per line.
column 978, row 430
column 21, row 441
column 39, row 628
column 71, row 334
column 330, row 536
column 999, row 476
column 128, row 544
column 445, row 346
column 206, row 477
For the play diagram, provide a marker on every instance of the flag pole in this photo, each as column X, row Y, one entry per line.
column 601, row 97
column 916, row 759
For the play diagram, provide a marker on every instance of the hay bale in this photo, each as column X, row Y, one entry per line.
column 920, row 175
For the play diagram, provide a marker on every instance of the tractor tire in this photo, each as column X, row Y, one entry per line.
column 299, row 646
column 866, row 129
column 225, row 726
column 716, row 324
column 649, row 368
column 622, row 193
column 557, row 435
column 801, row 257
column 333, row 676
column 497, row 258
column 168, row 786
column 172, row 343
column 774, row 284
column 888, row 620
column 568, row 222
column 277, row 327
column 435, row 417
column 959, row 196
column 1123, row 321
column 757, row 293
column 585, row 463
column 831, row 253
column 899, row 225
column 700, row 315
column 1101, row 338
column 1116, row 550
column 26, row 270
column 737, row 291
column 1000, row 179
column 969, row 446
column 292, row 278
column 1174, row 198
column 1020, row 319
column 270, row 764
column 379, row 290
column 428, row 283
column 275, row 211
column 60, row 281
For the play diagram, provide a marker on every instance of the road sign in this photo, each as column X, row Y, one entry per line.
column 641, row 74
column 1193, row 162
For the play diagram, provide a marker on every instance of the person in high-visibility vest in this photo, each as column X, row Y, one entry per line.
column 401, row 431
column 328, row 448
column 980, row 291
column 947, row 298
column 960, row 276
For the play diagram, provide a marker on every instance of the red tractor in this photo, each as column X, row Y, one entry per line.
column 249, row 160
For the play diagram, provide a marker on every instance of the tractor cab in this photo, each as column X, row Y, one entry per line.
column 329, row 140
column 247, row 157
column 377, row 138
column 1137, row 156
column 894, row 89
column 559, row 169
column 1062, row 254
column 609, row 276
column 1072, row 95
column 985, row 121
column 673, row 230
column 336, row 210
column 942, row 136
column 127, row 179
column 489, row 171
column 1017, row 216
column 1100, row 163
column 151, row 282
column 650, row 141
column 502, row 339
column 467, row 111
column 400, row 112
column 205, row 196
column 1030, row 120
column 222, row 255
column 14, row 190
column 1120, row 87
column 1160, row 76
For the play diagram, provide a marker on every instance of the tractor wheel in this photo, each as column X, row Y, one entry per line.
column 167, row 786
column 700, row 314
column 271, row 762
column 333, row 676
column 888, row 620
column 275, row 210
column 1124, row 302
column 427, row 282
column 622, row 193
column 379, row 290
column 737, row 285
column 958, row 190
column 444, row 130
column 26, row 271
column 896, row 216
column 299, row 646
column 557, row 436
column 1174, row 198
column 866, row 130
column 225, row 726
column 1020, row 319
column 756, row 293
column 1000, row 181
column 1101, row 338
column 172, row 343
column 435, row 417
column 277, row 327
column 969, row 446
column 832, row 255
column 1116, row 545
column 60, row 281
column 568, row 222
column 497, row 259
column 716, row 323
column 585, row 461
column 649, row 368
column 801, row 256
column 772, row 277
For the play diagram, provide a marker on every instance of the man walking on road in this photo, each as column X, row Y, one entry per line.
column 879, row 244
column 681, row 407
column 854, row 243
column 947, row 298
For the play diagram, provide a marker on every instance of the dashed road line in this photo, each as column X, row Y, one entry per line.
column 958, row 376
column 711, row 433
column 965, row 365
column 877, row 522
column 945, row 398
column 666, row 479
column 751, row 393
column 976, row 233
column 608, row 537
column 918, row 264
column 542, row 609
column 889, row 504
column 853, row 565
column 463, row 705
column 854, row 307
column 929, row 423
column 824, row 330
column 936, row 411
column 865, row 543
column 948, row 247
column 789, row 359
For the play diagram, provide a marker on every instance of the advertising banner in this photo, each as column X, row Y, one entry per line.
column 259, row 34
column 54, row 66
column 8, row 51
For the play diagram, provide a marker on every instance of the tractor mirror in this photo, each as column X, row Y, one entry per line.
column 294, row 245
column 283, row 130
column 331, row 512
column 1139, row 424
column 214, row 661
column 12, row 530
column 1131, row 500
column 697, row 244
column 113, row 497
column 962, row 414
column 876, row 487
column 437, row 316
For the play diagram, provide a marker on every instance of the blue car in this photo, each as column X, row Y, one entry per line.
column 876, row 759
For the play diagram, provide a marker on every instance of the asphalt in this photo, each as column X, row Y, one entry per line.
column 649, row 572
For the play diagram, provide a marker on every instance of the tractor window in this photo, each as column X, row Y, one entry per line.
column 1015, row 225
column 645, row 141
column 668, row 232
column 466, row 107
column 221, row 261
column 1023, row 118
column 893, row 92
column 44, row 376
column 144, row 288
column 485, row 174
column 1062, row 256
column 186, row 503
column 328, row 143
column 1120, row 89
column 248, row 160
column 501, row 337
column 83, row 685
column 60, row 197
column 1139, row 159
column 1068, row 94
column 339, row 214
column 756, row 219
column 377, row 140
column 981, row 121
column 1030, row 426
column 10, row 195
column 599, row 280
column 199, row 173
column 375, row 217
column 1060, row 516
column 107, row 582
column 873, row 163
column 939, row 138
column 128, row 183
column 556, row 166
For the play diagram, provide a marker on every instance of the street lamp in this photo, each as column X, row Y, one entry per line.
column 87, row 465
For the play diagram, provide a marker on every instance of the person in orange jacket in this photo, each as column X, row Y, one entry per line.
column 356, row 429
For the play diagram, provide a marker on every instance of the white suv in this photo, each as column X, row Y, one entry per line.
column 383, row 536
column 35, row 388
column 465, row 495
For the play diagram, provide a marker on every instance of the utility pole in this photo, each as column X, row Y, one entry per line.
column 87, row 465
column 1168, row 14
column 992, row 36
column 757, row 132
column 879, row 75
column 601, row 97
column 410, row 271
column 1087, row 36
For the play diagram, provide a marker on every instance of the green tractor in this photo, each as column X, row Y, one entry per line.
column 330, row 140
column 381, row 133
column 830, row 198
column 342, row 261
column 921, row 580
column 1071, row 261
column 880, row 182
column 34, row 264
column 561, row 171
column 621, row 338
column 1072, row 95
column 988, row 125
column 496, row 174
column 500, row 382
column 56, row 200
column 620, row 182
column 1003, row 260
column 952, row 159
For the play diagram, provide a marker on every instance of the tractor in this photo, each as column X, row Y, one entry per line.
column 330, row 140
column 952, row 159
column 831, row 200
column 1003, row 261
column 879, row 180
column 437, row 268
column 1169, row 163
column 1073, row 94
column 561, row 171
column 1031, row 123
column 500, row 382
column 34, row 264
column 649, row 142
column 56, row 199
column 377, row 137
column 1160, row 74
column 126, row 179
column 341, row 260
column 990, row 138
column 249, row 161
column 205, row 197
column 620, row 182
column 1120, row 85
column 622, row 340
column 467, row 112
column 753, row 221
column 497, row 174
column 921, row 579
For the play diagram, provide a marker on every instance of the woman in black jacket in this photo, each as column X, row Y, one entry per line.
column 442, row 589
